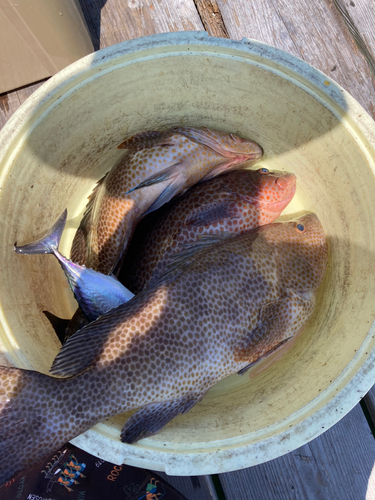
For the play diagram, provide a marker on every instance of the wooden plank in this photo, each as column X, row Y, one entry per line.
column 211, row 18
column 193, row 487
column 309, row 29
column 336, row 466
column 115, row 20
column 25, row 92
column 312, row 32
column 9, row 102
column 359, row 18
column 369, row 402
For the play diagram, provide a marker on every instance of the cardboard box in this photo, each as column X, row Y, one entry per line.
column 38, row 38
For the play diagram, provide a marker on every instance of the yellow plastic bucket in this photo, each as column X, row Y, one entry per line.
column 64, row 138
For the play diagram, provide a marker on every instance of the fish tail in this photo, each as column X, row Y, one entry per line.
column 35, row 418
column 50, row 241
column 60, row 325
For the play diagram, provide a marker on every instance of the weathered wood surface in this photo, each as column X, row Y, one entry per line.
column 211, row 17
column 11, row 101
column 336, row 466
column 359, row 17
column 310, row 29
column 338, row 37
column 114, row 21
column 193, row 488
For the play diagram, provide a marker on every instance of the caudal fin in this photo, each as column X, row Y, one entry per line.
column 49, row 243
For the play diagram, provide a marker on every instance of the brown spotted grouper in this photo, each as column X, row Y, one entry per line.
column 160, row 165
column 220, row 308
column 231, row 203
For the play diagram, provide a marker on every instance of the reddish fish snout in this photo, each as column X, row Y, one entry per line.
column 286, row 182
column 281, row 183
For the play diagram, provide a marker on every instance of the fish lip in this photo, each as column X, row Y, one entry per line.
column 256, row 155
column 250, row 157
column 244, row 157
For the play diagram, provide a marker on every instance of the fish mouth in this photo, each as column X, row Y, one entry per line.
column 256, row 155
column 249, row 157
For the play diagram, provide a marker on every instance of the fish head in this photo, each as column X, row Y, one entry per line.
column 301, row 251
column 236, row 145
column 227, row 144
column 270, row 190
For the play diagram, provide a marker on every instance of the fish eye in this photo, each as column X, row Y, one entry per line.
column 300, row 228
column 263, row 170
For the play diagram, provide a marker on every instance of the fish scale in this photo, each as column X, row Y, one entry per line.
column 158, row 166
column 232, row 203
column 221, row 306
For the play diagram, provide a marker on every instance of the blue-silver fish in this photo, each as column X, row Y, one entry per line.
column 96, row 293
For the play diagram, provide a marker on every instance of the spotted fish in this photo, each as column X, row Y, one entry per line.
column 159, row 166
column 219, row 308
column 231, row 203
column 96, row 293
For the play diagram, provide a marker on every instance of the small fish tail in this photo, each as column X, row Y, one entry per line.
column 60, row 325
column 50, row 241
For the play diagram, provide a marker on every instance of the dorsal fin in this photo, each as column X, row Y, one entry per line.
column 212, row 213
column 179, row 261
column 83, row 348
column 145, row 140
column 78, row 252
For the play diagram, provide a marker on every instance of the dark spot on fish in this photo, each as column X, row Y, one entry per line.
column 32, row 186
column 352, row 4
column 334, row 68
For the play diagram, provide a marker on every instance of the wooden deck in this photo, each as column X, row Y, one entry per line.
column 337, row 37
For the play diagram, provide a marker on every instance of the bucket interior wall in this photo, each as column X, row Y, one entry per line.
column 65, row 147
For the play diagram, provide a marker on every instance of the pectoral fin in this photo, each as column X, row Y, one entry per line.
column 145, row 140
column 152, row 418
column 274, row 349
column 171, row 172
column 278, row 322
column 212, row 213
column 180, row 260
column 177, row 180
column 173, row 189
